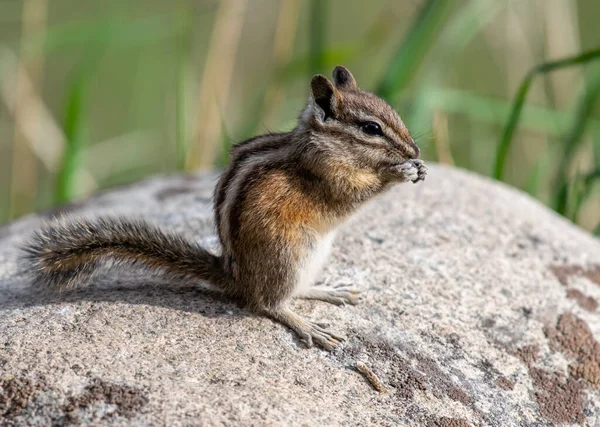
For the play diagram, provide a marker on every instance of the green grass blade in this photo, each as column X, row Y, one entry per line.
column 496, row 111
column 411, row 52
column 574, row 138
column 576, row 197
column 592, row 177
column 519, row 101
column 585, row 185
column 596, row 145
column 74, row 123
column 511, row 125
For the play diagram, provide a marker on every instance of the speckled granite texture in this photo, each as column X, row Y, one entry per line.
column 480, row 309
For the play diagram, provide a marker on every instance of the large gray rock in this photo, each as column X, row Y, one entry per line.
column 480, row 309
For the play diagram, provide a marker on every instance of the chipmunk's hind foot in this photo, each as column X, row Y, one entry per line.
column 338, row 296
column 309, row 332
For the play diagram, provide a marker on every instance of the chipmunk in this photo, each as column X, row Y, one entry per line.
column 277, row 206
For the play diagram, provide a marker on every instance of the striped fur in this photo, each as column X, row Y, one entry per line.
column 277, row 205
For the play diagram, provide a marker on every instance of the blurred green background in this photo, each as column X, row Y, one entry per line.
column 99, row 93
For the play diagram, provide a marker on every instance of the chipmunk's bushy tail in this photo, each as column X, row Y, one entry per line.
column 66, row 252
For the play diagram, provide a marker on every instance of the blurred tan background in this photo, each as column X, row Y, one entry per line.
column 100, row 93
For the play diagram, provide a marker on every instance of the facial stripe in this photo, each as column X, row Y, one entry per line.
column 342, row 131
column 362, row 106
column 389, row 127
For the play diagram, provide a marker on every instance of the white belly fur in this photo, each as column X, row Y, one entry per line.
column 312, row 265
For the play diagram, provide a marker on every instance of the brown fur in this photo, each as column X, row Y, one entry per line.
column 275, row 204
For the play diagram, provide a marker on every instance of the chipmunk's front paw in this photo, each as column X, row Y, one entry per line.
column 422, row 170
column 413, row 170
column 407, row 171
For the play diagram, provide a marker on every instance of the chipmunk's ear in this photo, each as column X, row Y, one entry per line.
column 343, row 78
column 325, row 96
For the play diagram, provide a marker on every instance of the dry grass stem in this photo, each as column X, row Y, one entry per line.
column 42, row 135
column 26, row 112
column 216, row 83
column 441, row 138
column 283, row 48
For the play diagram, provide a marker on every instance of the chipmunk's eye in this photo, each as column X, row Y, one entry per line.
column 371, row 128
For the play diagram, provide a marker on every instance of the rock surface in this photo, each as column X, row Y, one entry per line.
column 480, row 308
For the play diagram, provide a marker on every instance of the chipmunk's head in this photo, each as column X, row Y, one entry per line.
column 354, row 124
